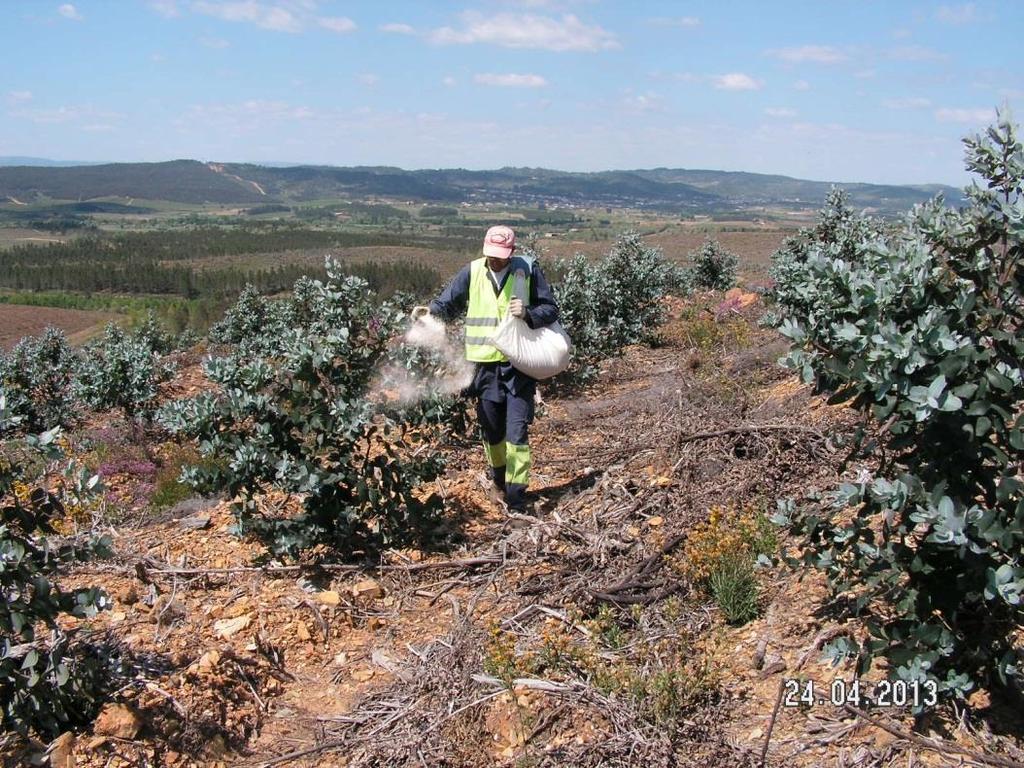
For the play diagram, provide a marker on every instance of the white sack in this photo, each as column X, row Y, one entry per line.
column 540, row 353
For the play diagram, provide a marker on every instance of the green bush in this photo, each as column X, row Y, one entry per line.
column 37, row 377
column 46, row 683
column 920, row 327
column 294, row 412
column 713, row 268
column 123, row 370
column 610, row 304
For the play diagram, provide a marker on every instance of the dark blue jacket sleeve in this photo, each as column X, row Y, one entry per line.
column 542, row 310
column 454, row 298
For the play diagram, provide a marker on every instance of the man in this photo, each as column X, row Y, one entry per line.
column 485, row 290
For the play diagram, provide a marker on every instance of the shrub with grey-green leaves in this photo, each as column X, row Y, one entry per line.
column 256, row 324
column 612, row 303
column 47, row 682
column 713, row 267
column 122, row 370
column 295, row 413
column 920, row 327
column 37, row 376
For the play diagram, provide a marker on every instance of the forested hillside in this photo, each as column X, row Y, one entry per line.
column 694, row 191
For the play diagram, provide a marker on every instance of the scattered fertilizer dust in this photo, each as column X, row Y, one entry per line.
column 437, row 366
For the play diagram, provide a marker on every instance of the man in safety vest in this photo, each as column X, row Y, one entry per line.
column 496, row 283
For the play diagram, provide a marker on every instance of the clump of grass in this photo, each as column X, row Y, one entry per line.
column 720, row 554
column 733, row 584
column 167, row 489
column 662, row 680
column 706, row 333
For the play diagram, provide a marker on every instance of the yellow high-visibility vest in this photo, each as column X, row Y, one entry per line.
column 486, row 309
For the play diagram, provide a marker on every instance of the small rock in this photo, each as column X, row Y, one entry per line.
column 762, row 647
column 195, row 523
column 362, row 675
column 165, row 610
column 329, row 597
column 341, row 659
column 116, row 617
column 772, row 668
column 208, row 660
column 755, row 734
column 227, row 627
column 654, row 522
column 128, row 595
column 302, row 631
column 119, row 721
column 368, row 589
column 376, row 622
column 62, row 751
column 216, row 747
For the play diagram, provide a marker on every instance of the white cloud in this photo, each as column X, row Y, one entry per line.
column 65, row 114
column 449, row 81
column 272, row 17
column 801, row 85
column 735, row 81
column 865, row 74
column 166, row 8
column 19, row 97
column 368, row 79
column 680, row 22
column 643, row 102
column 816, row 54
column 915, row 53
column 683, row 77
column 246, row 114
column 956, row 14
column 508, row 30
column 68, row 11
column 511, row 80
column 217, row 43
column 978, row 116
column 780, row 112
column 339, row 24
column 910, row 102
column 398, row 29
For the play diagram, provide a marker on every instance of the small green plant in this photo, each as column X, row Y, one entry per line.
column 733, row 584
column 720, row 554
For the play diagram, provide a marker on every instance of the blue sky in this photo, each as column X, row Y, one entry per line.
column 842, row 91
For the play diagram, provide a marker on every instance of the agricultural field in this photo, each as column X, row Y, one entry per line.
column 17, row 321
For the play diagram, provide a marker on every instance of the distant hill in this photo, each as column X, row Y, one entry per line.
column 668, row 189
column 19, row 160
column 180, row 181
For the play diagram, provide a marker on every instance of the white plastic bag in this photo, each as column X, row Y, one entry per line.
column 540, row 353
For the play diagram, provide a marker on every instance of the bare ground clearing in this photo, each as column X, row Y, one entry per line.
column 17, row 321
